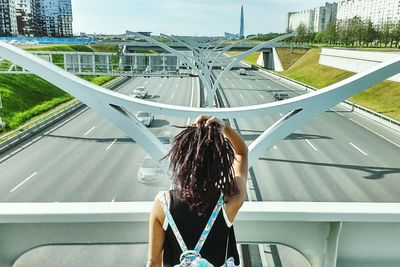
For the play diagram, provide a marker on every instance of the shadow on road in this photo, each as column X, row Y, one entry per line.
column 372, row 173
column 99, row 140
column 159, row 123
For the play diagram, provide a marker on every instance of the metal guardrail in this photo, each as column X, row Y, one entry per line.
column 22, row 133
column 351, row 104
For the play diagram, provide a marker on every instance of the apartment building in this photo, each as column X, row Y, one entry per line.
column 8, row 18
column 378, row 12
column 36, row 18
column 316, row 19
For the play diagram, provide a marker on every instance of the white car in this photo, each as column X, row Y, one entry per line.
column 150, row 171
column 139, row 92
column 242, row 72
column 146, row 118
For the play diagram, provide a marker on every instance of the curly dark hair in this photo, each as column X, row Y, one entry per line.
column 201, row 162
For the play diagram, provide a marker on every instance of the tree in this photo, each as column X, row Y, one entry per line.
column 385, row 33
column 371, row 34
column 301, row 33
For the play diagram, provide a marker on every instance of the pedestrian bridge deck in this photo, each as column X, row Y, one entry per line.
column 325, row 233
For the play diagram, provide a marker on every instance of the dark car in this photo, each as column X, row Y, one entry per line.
column 281, row 96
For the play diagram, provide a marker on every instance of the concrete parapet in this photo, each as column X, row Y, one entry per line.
column 355, row 61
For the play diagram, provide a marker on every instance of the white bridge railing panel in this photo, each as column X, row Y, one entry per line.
column 327, row 234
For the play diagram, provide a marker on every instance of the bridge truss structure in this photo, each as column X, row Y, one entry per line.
column 317, row 237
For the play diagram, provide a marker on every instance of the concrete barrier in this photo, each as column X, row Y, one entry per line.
column 327, row 234
column 355, row 61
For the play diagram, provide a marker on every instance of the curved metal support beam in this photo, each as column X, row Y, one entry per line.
column 243, row 55
column 112, row 104
column 182, row 56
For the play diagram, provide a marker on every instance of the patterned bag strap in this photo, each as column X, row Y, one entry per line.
column 161, row 197
column 209, row 224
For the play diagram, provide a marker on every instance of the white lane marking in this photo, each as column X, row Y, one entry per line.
column 281, row 114
column 146, row 82
column 251, row 87
column 261, row 96
column 378, row 134
column 311, row 145
column 111, row 144
column 275, row 147
column 91, row 129
column 113, row 199
column 176, row 85
column 172, row 97
column 160, row 85
column 24, row 181
column 241, row 96
column 241, row 79
column 152, row 96
column 233, row 85
column 362, row 152
column 337, row 112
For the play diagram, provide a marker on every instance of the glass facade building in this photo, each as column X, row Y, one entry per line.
column 52, row 18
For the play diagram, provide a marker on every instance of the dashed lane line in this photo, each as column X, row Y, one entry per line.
column 378, row 134
column 313, row 147
column 91, row 129
column 362, row 152
column 111, row 144
column 262, row 97
column 24, row 181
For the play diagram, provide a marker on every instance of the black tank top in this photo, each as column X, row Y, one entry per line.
column 191, row 225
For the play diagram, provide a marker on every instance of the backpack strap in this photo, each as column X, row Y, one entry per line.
column 210, row 223
column 207, row 228
column 161, row 197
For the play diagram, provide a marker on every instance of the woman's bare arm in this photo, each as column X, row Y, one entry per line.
column 156, row 235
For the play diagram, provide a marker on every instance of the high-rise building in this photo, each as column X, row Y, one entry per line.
column 241, row 32
column 54, row 17
column 305, row 17
column 25, row 22
column 324, row 15
column 316, row 19
column 36, row 18
column 378, row 12
column 8, row 18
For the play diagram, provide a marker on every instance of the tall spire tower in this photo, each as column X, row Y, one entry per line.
column 241, row 32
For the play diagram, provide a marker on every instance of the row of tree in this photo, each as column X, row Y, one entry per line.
column 353, row 32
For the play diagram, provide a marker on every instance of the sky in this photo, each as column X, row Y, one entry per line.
column 184, row 17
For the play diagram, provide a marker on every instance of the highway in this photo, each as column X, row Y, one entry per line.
column 86, row 158
column 333, row 158
column 339, row 156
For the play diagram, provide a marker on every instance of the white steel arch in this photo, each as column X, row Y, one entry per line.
column 114, row 106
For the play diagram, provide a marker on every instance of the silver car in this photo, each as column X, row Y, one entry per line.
column 150, row 171
column 146, row 118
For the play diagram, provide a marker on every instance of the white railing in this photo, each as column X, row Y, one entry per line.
column 327, row 234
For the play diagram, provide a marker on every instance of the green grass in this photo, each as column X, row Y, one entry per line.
column 383, row 97
column 25, row 96
column 99, row 80
column 104, row 48
column 252, row 59
column 289, row 56
column 63, row 48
